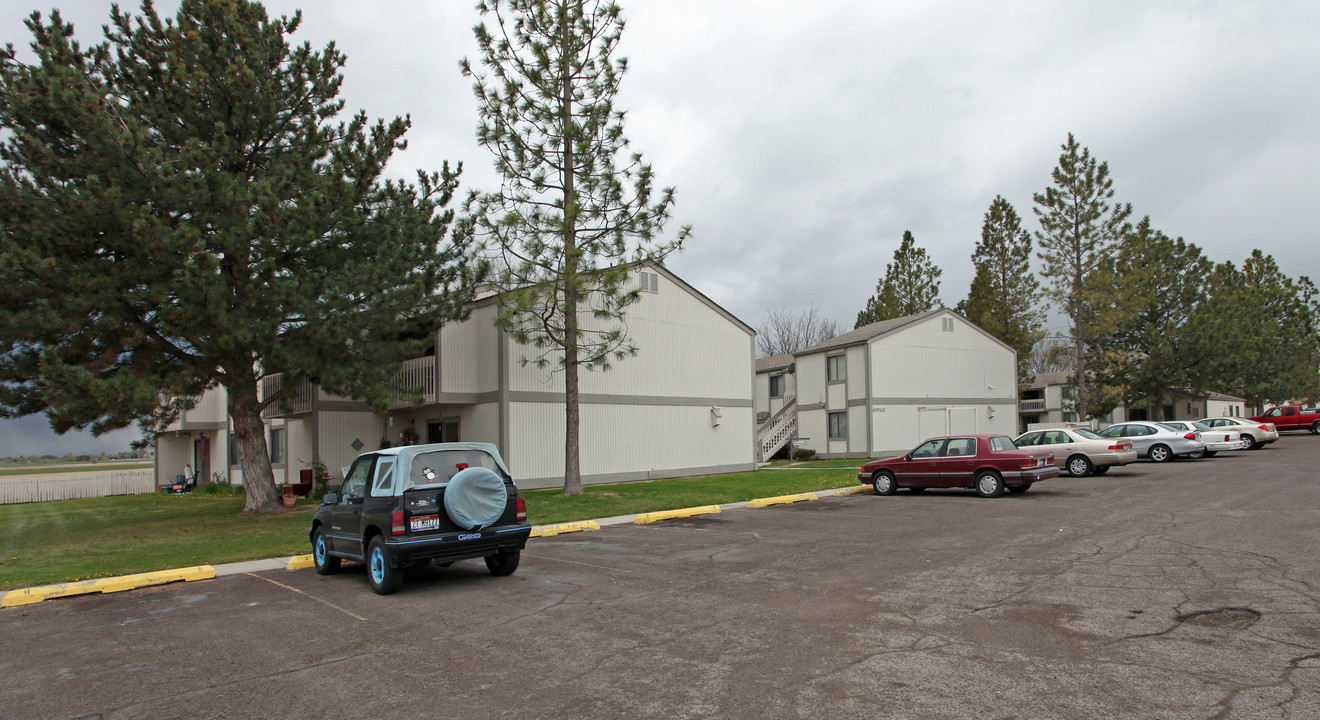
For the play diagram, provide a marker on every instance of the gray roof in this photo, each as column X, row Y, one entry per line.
column 772, row 363
column 870, row 332
column 1045, row 379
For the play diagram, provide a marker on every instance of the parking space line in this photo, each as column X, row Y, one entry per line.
column 313, row 597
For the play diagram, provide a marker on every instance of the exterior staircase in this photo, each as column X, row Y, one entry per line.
column 774, row 433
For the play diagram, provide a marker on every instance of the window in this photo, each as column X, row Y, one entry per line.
column 383, row 486
column 946, row 324
column 928, row 449
column 1027, row 440
column 648, row 282
column 836, row 368
column 960, row 447
column 839, row 426
column 776, row 386
column 233, row 449
column 277, row 448
column 355, row 485
column 1002, row 443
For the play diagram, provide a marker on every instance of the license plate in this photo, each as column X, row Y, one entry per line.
column 425, row 522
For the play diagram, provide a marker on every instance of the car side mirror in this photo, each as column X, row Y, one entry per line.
column 330, row 498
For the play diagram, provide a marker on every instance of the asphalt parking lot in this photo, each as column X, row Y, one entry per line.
column 1186, row 590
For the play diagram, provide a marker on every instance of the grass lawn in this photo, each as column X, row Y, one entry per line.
column 107, row 466
column 69, row 540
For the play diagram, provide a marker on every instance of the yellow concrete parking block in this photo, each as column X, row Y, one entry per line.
column 853, row 490
column 28, row 596
column 298, row 562
column 549, row 530
column 781, row 500
column 670, row 514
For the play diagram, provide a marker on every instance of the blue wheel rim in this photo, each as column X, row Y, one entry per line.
column 377, row 566
column 320, row 550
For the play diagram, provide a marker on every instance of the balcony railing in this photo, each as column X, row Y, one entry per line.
column 296, row 403
column 417, row 376
column 1032, row 405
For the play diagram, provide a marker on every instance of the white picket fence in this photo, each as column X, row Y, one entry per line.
column 67, row 486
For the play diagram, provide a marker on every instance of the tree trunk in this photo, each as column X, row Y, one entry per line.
column 253, row 455
column 572, row 410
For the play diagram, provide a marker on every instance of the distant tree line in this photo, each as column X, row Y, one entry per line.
column 1148, row 315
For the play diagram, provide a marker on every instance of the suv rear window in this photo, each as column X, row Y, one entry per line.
column 444, row 464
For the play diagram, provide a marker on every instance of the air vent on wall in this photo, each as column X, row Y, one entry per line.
column 648, row 282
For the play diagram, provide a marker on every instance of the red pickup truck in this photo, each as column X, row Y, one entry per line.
column 1291, row 417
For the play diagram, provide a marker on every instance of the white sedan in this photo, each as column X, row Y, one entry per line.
column 1215, row 439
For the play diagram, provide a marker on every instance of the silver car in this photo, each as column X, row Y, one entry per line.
column 1156, row 442
column 1215, row 440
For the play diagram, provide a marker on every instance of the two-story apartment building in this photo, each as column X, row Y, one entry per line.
column 683, row 406
column 884, row 387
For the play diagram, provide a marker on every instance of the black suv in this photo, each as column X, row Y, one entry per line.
column 439, row 503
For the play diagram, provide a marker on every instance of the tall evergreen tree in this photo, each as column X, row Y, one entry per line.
column 1004, row 294
column 573, row 218
column 910, row 285
column 1149, row 291
column 1079, row 227
column 180, row 210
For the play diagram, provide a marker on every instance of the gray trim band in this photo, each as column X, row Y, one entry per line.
column 529, row 396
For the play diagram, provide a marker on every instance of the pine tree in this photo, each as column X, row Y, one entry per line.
column 1261, row 328
column 1004, row 293
column 1149, row 291
column 180, row 210
column 573, row 218
column 1079, row 227
column 910, row 285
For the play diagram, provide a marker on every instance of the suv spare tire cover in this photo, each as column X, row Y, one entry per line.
column 475, row 497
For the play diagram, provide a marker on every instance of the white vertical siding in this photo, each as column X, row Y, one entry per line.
column 339, row 430
column 685, row 349
column 468, row 353
column 676, row 439
column 925, row 361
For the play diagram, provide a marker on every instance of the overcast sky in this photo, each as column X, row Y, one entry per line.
column 803, row 138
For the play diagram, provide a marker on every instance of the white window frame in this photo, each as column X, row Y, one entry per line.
column 838, row 425
column 836, row 372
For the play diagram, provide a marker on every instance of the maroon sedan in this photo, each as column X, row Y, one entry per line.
column 988, row 464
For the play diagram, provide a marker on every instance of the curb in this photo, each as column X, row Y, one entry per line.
column 549, row 530
column 668, row 514
column 781, row 500
column 29, row 596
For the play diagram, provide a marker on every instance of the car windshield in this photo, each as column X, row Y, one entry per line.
column 1087, row 434
column 1171, row 426
column 1201, row 426
column 1002, row 443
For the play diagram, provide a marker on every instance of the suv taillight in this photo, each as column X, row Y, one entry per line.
column 397, row 527
column 521, row 508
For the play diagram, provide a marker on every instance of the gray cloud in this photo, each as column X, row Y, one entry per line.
column 804, row 138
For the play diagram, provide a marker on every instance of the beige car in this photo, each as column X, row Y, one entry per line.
column 1254, row 434
column 1078, row 451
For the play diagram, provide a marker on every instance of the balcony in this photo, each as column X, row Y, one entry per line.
column 414, row 385
column 416, row 376
column 299, row 402
column 1037, row 405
